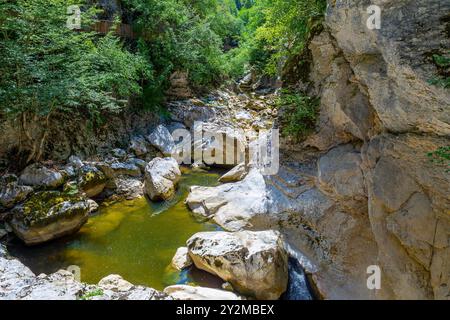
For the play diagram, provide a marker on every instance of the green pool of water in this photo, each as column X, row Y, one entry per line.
column 135, row 239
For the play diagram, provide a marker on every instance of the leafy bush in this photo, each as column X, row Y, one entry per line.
column 46, row 68
column 187, row 35
column 443, row 63
column 298, row 113
column 278, row 29
column 441, row 156
column 91, row 294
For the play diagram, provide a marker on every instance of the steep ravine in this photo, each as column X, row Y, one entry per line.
column 359, row 191
column 366, row 193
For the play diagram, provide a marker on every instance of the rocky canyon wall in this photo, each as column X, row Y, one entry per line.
column 375, row 95
column 70, row 134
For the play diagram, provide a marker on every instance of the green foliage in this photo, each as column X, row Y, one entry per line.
column 441, row 156
column 298, row 113
column 45, row 67
column 215, row 40
column 187, row 35
column 91, row 294
column 443, row 63
column 277, row 29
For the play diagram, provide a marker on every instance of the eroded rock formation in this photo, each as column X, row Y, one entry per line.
column 254, row 263
column 361, row 190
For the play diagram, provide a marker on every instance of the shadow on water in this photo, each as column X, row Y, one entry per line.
column 135, row 239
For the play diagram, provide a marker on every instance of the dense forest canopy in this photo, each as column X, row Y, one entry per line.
column 213, row 40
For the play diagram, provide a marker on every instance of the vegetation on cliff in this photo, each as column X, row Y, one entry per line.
column 47, row 68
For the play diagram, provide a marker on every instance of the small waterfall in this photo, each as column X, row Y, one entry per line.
column 298, row 286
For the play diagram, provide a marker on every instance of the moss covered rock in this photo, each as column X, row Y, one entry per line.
column 92, row 181
column 48, row 215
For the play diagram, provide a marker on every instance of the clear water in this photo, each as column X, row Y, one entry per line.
column 135, row 239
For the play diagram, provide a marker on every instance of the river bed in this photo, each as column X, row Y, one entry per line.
column 135, row 239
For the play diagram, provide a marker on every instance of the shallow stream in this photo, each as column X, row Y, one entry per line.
column 135, row 239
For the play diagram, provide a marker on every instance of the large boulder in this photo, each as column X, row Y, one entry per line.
column 232, row 206
column 92, row 181
column 17, row 282
column 161, row 139
column 254, row 263
column 184, row 292
column 40, row 176
column 161, row 178
column 48, row 215
column 128, row 188
column 293, row 202
column 219, row 145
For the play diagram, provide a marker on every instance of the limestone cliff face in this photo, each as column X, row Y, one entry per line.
column 72, row 134
column 375, row 95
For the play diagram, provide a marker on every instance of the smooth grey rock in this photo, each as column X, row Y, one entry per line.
column 37, row 175
column 255, row 263
column 236, row 174
column 181, row 259
column 138, row 146
column 161, row 178
column 162, row 140
column 184, row 292
column 128, row 188
column 12, row 193
column 17, row 282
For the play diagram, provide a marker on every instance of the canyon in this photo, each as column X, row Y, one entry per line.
column 360, row 190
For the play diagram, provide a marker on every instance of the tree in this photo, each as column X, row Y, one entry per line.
column 46, row 68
